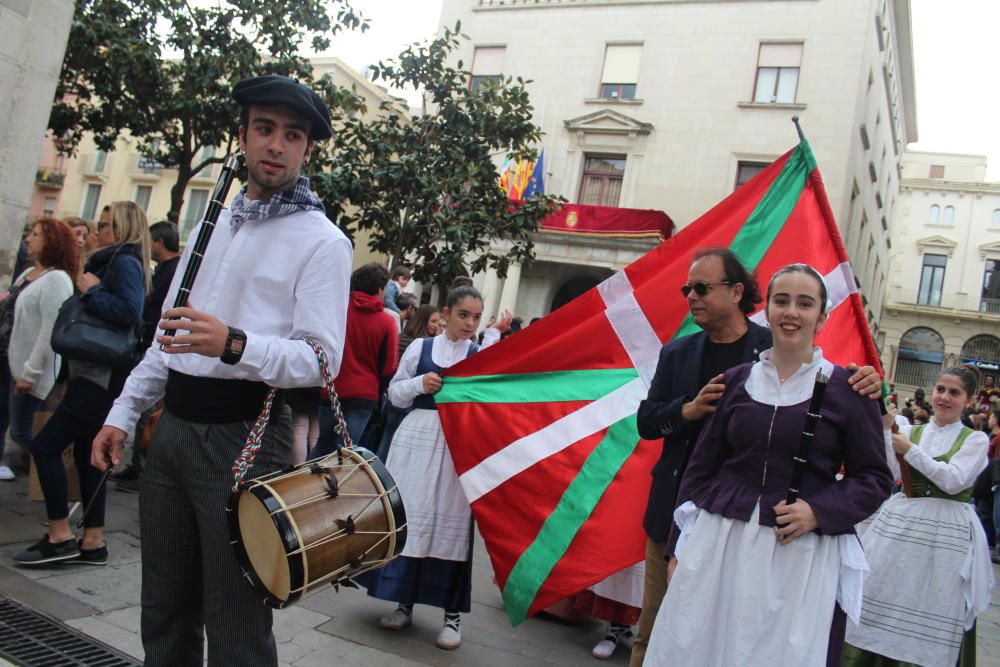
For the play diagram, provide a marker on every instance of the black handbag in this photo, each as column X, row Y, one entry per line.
column 80, row 335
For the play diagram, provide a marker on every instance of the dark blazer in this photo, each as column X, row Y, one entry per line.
column 659, row 416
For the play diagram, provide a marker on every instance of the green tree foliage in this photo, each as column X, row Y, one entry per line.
column 163, row 70
column 426, row 188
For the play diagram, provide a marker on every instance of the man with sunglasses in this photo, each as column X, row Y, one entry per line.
column 720, row 294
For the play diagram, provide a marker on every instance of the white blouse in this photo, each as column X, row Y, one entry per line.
column 954, row 476
column 406, row 385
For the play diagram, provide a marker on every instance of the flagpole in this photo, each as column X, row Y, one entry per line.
column 798, row 128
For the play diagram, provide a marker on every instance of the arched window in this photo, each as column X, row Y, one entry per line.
column 935, row 214
column 949, row 215
column 919, row 359
column 983, row 348
column 996, row 218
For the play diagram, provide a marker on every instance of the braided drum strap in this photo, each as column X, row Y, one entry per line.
column 243, row 462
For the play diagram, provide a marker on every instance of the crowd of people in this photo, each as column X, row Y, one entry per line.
column 875, row 556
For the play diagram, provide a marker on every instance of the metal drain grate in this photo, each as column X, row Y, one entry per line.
column 30, row 638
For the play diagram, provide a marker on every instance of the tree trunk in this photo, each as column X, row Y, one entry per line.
column 177, row 193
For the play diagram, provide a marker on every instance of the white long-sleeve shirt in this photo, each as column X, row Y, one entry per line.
column 279, row 280
column 406, row 385
column 957, row 474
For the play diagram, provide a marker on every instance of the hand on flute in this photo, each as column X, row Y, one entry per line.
column 794, row 520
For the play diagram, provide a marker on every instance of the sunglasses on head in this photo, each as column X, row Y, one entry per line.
column 701, row 289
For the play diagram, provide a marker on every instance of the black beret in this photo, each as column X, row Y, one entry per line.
column 272, row 90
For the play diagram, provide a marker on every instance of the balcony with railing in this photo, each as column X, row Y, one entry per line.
column 143, row 168
column 955, row 304
column 50, row 179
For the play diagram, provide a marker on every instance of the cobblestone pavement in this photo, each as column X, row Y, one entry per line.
column 328, row 628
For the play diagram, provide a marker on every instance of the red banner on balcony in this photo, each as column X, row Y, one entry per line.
column 608, row 221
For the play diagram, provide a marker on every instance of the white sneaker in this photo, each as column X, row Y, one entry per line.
column 397, row 620
column 449, row 638
column 6, row 474
column 604, row 649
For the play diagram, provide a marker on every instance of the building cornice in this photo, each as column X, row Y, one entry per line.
column 938, row 185
column 903, row 35
column 936, row 242
column 608, row 121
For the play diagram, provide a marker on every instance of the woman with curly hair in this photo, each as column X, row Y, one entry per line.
column 28, row 313
column 114, row 287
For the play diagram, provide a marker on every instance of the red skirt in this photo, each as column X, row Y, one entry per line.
column 606, row 609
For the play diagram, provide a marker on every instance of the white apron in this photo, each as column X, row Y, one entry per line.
column 738, row 597
column 438, row 516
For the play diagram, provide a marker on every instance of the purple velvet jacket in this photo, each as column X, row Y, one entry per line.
column 741, row 458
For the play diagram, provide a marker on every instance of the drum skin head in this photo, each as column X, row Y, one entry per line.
column 266, row 551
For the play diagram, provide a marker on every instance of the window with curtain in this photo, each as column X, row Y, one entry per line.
column 90, row 198
column 620, row 75
column 197, row 202
column 601, row 184
column 487, row 64
column 142, row 195
column 777, row 73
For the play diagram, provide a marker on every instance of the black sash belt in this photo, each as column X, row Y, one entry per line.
column 216, row 401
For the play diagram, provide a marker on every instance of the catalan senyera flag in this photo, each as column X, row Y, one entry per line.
column 542, row 426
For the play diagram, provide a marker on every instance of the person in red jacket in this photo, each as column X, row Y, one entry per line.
column 369, row 358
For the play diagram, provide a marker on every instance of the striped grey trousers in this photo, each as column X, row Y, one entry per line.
column 192, row 584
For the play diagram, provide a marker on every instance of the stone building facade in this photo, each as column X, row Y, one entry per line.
column 31, row 54
column 943, row 299
column 669, row 105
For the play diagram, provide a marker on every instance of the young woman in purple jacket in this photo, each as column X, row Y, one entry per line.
column 756, row 581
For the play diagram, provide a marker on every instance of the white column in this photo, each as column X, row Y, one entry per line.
column 508, row 297
column 491, row 294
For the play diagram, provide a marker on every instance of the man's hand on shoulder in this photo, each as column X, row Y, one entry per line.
column 704, row 403
column 865, row 380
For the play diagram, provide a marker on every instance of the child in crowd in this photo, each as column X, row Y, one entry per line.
column 435, row 566
column 399, row 278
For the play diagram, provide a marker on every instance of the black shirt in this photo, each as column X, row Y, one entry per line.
column 720, row 357
column 161, row 279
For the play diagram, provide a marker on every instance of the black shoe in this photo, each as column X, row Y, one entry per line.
column 43, row 552
column 129, row 472
column 128, row 485
column 98, row 556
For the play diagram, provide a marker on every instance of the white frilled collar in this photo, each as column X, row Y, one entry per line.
column 764, row 387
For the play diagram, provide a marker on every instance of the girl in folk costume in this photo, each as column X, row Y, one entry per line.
column 756, row 581
column 931, row 573
column 435, row 566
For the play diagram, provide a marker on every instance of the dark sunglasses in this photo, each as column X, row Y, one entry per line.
column 701, row 289
column 102, row 225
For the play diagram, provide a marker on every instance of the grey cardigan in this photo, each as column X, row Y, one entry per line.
column 30, row 353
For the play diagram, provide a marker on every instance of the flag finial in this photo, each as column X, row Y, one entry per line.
column 798, row 128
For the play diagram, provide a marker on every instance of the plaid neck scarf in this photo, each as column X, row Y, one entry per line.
column 296, row 198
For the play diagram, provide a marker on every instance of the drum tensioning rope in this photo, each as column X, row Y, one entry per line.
column 244, row 462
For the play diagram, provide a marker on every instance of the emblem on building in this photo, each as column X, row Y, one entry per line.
column 571, row 219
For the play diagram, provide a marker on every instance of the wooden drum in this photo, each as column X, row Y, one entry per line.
column 322, row 522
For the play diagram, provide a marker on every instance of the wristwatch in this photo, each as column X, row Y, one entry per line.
column 235, row 344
